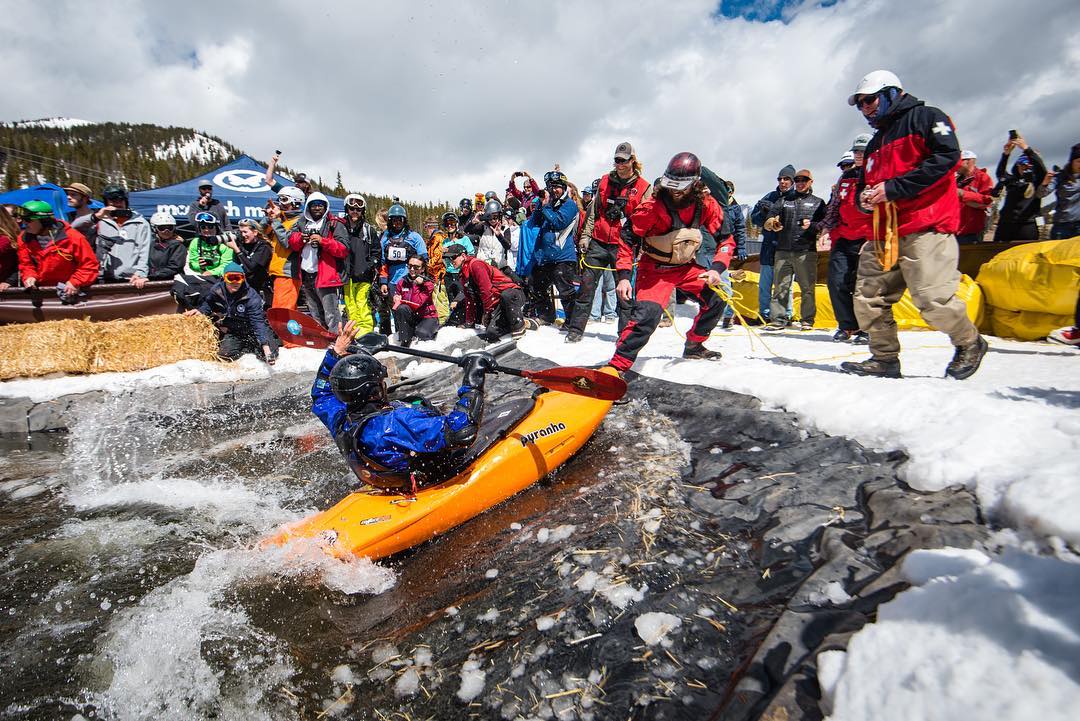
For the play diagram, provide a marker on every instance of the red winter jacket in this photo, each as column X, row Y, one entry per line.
column 486, row 280
column 67, row 258
column 853, row 223
column 418, row 295
column 975, row 198
column 651, row 218
column 915, row 153
column 331, row 252
column 632, row 191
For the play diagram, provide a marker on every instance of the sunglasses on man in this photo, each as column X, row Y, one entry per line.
column 865, row 101
column 801, row 179
column 620, row 161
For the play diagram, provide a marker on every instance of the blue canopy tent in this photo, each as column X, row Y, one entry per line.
column 240, row 186
column 54, row 195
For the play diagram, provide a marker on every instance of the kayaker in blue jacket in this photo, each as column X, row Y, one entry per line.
column 379, row 436
column 555, row 252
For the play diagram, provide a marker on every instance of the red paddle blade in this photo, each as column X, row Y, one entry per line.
column 582, row 381
column 299, row 329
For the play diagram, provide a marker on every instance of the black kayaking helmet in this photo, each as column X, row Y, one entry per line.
column 358, row 378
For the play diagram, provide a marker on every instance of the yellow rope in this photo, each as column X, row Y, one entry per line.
column 885, row 215
column 730, row 299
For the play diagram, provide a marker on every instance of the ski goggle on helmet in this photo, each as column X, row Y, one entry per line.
column 554, row 177
column 206, row 221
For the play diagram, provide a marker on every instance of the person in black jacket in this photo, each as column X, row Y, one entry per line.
column 239, row 314
column 207, row 203
column 168, row 254
column 797, row 222
column 1016, row 220
column 785, row 188
column 361, row 265
column 253, row 253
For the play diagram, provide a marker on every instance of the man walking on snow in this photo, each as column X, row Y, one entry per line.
column 910, row 187
column 669, row 228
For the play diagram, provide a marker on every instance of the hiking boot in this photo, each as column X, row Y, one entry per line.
column 573, row 336
column 776, row 325
column 725, row 324
column 1065, row 336
column 873, row 367
column 861, row 338
column 698, row 351
column 806, row 325
column 519, row 331
column 841, row 336
column 966, row 360
column 665, row 322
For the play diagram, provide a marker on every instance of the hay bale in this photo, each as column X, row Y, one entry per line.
column 140, row 343
column 30, row 350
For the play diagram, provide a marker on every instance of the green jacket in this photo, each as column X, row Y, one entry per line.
column 217, row 256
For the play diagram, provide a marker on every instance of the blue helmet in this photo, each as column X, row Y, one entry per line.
column 396, row 211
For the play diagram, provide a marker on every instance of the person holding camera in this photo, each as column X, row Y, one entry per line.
column 361, row 265
column 797, row 221
column 283, row 213
column 528, row 190
column 909, row 185
column 207, row 203
column 499, row 238
column 555, row 253
column 123, row 239
column 1016, row 219
column 239, row 314
column 1064, row 185
column 252, row 251
column 414, row 310
column 617, row 196
column 300, row 181
column 51, row 252
column 207, row 257
column 319, row 237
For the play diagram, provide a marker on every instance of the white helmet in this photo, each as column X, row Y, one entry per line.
column 292, row 194
column 848, row 157
column 875, row 82
column 161, row 218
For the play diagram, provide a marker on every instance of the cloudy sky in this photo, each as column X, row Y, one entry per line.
column 435, row 100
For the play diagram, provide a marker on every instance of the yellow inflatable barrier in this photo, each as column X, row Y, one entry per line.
column 1031, row 289
column 745, row 293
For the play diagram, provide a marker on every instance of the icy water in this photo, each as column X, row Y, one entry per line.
column 133, row 587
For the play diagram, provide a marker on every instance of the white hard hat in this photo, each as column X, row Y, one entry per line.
column 292, row 193
column 161, row 218
column 875, row 82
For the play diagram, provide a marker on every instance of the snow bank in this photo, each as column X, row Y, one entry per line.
column 980, row 638
column 1011, row 432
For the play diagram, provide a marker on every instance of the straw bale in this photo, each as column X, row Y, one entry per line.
column 30, row 350
column 140, row 343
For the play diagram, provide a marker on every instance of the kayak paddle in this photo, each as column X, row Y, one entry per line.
column 301, row 329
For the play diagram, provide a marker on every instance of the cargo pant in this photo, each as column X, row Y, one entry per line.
column 802, row 265
column 927, row 268
column 358, row 306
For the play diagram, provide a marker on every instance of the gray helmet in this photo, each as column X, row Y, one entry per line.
column 492, row 209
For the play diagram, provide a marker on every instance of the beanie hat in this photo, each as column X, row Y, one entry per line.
column 234, row 267
column 788, row 171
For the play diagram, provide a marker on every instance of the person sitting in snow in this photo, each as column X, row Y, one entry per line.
column 238, row 312
column 402, row 442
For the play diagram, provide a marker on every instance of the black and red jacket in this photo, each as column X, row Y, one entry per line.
column 849, row 222
column 627, row 193
column 487, row 281
column 915, row 153
column 651, row 218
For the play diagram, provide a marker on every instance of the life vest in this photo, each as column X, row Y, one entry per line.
column 368, row 469
column 398, row 248
column 680, row 244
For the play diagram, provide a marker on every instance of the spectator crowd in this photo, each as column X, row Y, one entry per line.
column 618, row 249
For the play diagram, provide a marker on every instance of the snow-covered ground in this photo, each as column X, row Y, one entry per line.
column 981, row 634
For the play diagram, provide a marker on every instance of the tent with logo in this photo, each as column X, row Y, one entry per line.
column 52, row 194
column 240, row 185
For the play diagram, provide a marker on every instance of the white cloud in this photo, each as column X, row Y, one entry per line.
column 437, row 100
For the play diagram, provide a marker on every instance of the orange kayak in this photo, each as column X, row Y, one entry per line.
column 522, row 442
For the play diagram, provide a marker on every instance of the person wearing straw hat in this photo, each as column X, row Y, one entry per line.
column 239, row 314
column 910, row 187
column 81, row 216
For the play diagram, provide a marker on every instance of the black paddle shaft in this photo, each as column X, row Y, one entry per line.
column 448, row 359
